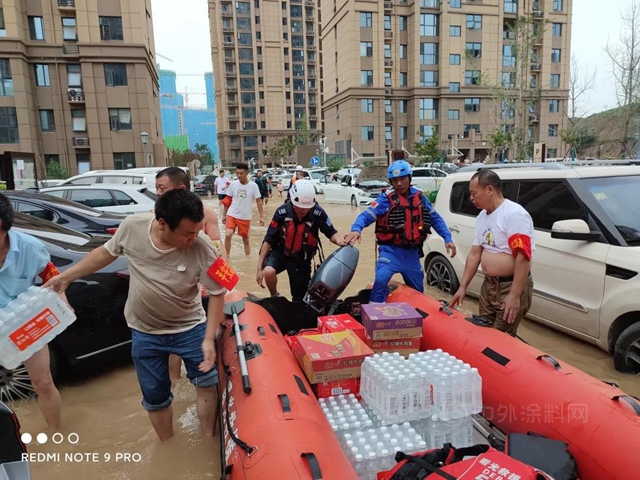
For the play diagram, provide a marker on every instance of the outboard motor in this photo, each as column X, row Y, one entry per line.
column 331, row 279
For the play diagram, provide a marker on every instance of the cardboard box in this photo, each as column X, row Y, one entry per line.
column 340, row 323
column 331, row 356
column 337, row 387
column 404, row 347
column 391, row 321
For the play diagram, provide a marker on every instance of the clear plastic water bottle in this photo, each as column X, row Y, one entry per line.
column 476, row 381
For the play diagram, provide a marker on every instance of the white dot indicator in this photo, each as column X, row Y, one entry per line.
column 26, row 438
column 42, row 438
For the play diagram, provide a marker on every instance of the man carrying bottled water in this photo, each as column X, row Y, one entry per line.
column 23, row 258
column 169, row 257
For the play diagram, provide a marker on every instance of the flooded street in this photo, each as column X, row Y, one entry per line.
column 104, row 409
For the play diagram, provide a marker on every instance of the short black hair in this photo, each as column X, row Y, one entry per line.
column 6, row 213
column 176, row 205
column 486, row 177
column 221, row 170
column 242, row 166
column 176, row 175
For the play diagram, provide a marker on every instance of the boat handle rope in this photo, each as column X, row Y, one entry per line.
column 551, row 360
column 286, row 404
column 314, row 466
column 630, row 400
column 261, row 331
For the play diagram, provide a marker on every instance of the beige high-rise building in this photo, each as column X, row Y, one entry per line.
column 395, row 68
column 266, row 65
column 79, row 85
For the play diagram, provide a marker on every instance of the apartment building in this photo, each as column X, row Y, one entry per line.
column 266, row 65
column 399, row 71
column 79, row 85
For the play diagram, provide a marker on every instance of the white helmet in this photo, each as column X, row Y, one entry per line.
column 299, row 168
column 303, row 194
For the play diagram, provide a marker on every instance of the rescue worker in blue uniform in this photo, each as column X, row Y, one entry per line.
column 403, row 218
column 292, row 240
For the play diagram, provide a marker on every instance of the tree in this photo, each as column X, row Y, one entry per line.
column 500, row 141
column 205, row 155
column 428, row 148
column 624, row 56
column 577, row 135
column 283, row 147
column 55, row 170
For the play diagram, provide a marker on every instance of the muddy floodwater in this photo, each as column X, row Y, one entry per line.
column 107, row 434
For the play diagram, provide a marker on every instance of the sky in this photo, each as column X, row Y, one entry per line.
column 182, row 35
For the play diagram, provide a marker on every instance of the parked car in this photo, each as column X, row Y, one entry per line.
column 64, row 212
column 132, row 176
column 100, row 334
column 203, row 184
column 360, row 190
column 109, row 198
column 587, row 259
column 427, row 179
column 446, row 167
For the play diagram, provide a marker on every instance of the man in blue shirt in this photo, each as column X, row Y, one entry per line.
column 403, row 218
column 22, row 259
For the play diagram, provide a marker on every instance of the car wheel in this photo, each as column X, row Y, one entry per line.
column 354, row 202
column 16, row 385
column 441, row 275
column 626, row 353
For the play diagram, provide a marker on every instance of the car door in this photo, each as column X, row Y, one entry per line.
column 346, row 192
column 568, row 275
column 96, row 198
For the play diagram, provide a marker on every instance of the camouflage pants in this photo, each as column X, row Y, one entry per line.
column 494, row 291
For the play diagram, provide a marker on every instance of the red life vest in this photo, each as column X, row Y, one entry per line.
column 407, row 223
column 298, row 240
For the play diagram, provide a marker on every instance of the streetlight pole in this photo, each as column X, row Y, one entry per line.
column 144, row 138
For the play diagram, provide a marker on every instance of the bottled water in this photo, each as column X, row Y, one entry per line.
column 30, row 322
column 345, row 414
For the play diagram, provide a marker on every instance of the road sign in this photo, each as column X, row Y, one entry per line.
column 315, row 161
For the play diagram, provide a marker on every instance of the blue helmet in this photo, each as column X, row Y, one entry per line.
column 399, row 168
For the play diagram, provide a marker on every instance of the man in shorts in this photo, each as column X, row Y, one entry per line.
column 262, row 182
column 238, row 208
column 221, row 185
column 169, row 257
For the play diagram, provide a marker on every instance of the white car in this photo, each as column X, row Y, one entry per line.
column 109, row 198
column 360, row 190
column 427, row 179
column 586, row 266
column 131, row 176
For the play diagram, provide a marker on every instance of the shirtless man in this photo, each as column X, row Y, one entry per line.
column 504, row 244
column 172, row 178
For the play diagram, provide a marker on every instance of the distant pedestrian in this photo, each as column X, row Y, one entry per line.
column 280, row 188
column 221, row 185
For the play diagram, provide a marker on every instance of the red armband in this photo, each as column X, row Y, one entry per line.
column 221, row 272
column 520, row 243
column 226, row 201
column 49, row 272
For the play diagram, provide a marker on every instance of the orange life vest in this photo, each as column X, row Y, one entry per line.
column 407, row 223
column 299, row 240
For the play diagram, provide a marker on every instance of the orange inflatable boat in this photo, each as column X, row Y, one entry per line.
column 526, row 390
column 278, row 430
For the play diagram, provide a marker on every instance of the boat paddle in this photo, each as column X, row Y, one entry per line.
column 233, row 309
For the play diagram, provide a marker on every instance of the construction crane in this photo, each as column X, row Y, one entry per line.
column 186, row 94
column 162, row 56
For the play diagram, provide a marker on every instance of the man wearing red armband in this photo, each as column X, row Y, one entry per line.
column 23, row 258
column 504, row 244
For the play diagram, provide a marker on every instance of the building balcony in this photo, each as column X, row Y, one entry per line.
column 230, row 74
column 388, row 6
column 388, row 64
column 309, row 3
column 227, row 13
column 231, row 59
column 388, row 117
column 311, row 89
column 81, row 142
column 311, row 48
column 229, row 44
column 388, row 35
column 227, row 29
column 313, row 117
column 75, row 95
column 311, row 75
column 311, row 62
column 233, row 117
column 66, row 4
column 232, row 89
column 536, row 67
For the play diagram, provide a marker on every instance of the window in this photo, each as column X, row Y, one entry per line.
column 555, row 55
column 427, row 131
column 111, row 28
column 296, row 11
column 473, row 49
column 6, row 80
column 551, row 152
column 3, row 30
column 42, row 75
column 555, row 80
column 508, row 79
column 474, row 22
column 123, row 161
column 249, row 98
column 471, row 77
column 243, row 8
column 366, row 78
column 404, row 106
column 245, row 39
column 403, row 51
column 554, row 106
column 387, row 79
column 367, row 133
column 248, row 112
column 428, row 109
column 247, row 84
column 510, row 6
column 508, row 56
column 455, row 3
column 429, row 3
column 557, row 5
column 428, row 78
column 387, row 50
column 115, row 74
column 454, row 114
column 366, row 49
column 388, row 133
column 403, row 23
column 93, row 198
column 507, row 111
column 428, row 53
column 79, row 120
column 388, row 107
column 454, row 59
column 120, row 118
column 69, row 29
column 556, row 29
column 122, row 198
column 403, row 79
column 466, row 129
column 47, row 121
column 243, row 23
column 472, row 105
column 9, row 125
column 366, row 19
column 454, row 87
column 403, row 133
column 455, row 31
column 553, row 130
column 549, row 202
column 387, row 22
column 246, row 68
column 84, row 163
column 35, row 211
column 36, row 28
column 367, row 105
column 428, row 25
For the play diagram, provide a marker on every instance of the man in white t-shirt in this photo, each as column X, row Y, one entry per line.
column 504, row 244
column 238, row 206
column 221, row 185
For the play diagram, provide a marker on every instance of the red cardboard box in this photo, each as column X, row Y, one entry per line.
column 340, row 323
column 331, row 356
column 404, row 347
column 337, row 387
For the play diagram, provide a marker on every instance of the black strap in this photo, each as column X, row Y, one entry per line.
column 551, row 360
column 630, row 400
column 286, row 405
column 314, row 466
column 426, row 465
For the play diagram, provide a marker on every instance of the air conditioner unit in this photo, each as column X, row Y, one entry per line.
column 387, row 146
column 388, row 91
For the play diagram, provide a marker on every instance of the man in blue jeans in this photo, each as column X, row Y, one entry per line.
column 168, row 258
column 403, row 218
